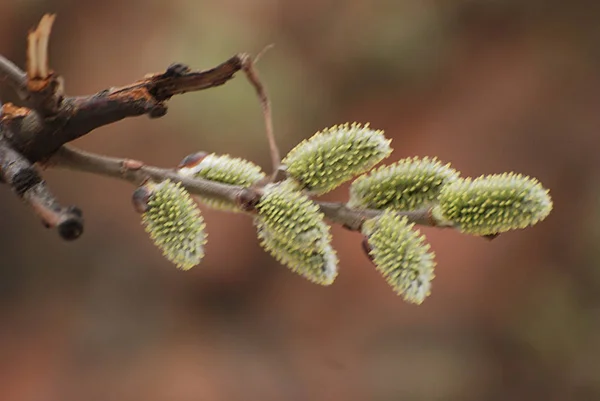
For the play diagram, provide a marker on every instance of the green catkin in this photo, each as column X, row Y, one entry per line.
column 175, row 224
column 227, row 170
column 408, row 184
column 493, row 204
column 335, row 155
column 317, row 263
column 291, row 228
column 401, row 255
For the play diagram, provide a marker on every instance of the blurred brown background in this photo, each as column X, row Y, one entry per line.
column 488, row 85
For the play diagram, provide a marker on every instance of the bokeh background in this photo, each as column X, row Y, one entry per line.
column 488, row 85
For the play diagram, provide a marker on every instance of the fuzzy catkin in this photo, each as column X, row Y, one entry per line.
column 401, row 255
column 227, row 170
column 175, row 224
column 408, row 184
column 317, row 263
column 291, row 228
column 335, row 155
column 493, row 204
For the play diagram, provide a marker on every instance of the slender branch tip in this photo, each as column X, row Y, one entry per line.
column 261, row 91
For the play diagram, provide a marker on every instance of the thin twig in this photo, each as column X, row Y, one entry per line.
column 261, row 91
column 26, row 182
column 353, row 219
column 137, row 172
column 13, row 75
column 179, row 79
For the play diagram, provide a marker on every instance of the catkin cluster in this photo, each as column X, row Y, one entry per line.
column 291, row 227
column 485, row 206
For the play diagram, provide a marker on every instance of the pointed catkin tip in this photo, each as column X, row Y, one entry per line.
column 408, row 184
column 291, row 228
column 493, row 204
column 174, row 223
column 220, row 168
column 401, row 255
column 335, row 155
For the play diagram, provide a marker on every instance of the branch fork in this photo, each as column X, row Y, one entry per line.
column 30, row 135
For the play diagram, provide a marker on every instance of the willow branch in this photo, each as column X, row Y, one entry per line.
column 353, row 219
column 136, row 172
column 26, row 183
column 37, row 137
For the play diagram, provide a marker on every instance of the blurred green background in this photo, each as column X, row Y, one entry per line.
column 488, row 85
